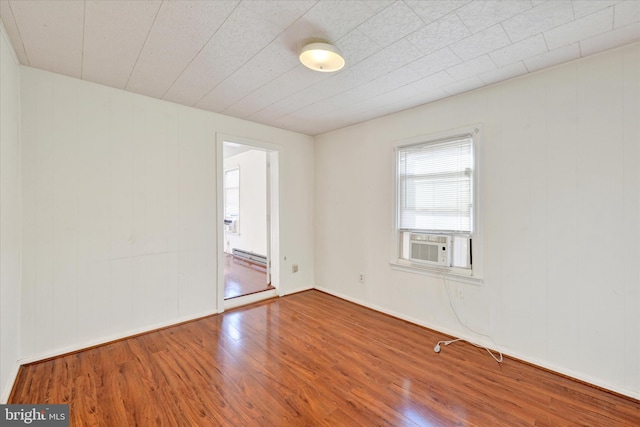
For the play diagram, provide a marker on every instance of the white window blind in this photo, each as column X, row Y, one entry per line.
column 232, row 193
column 435, row 186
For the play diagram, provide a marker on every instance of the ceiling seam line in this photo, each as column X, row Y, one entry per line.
column 344, row 106
column 256, row 54
column 200, row 50
column 84, row 29
column 356, row 28
column 24, row 48
column 339, row 93
column 505, row 32
column 424, row 23
column 319, row 81
column 258, row 88
column 143, row 45
column 275, row 78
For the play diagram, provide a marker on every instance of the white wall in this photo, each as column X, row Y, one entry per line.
column 560, row 182
column 252, row 230
column 9, row 215
column 119, row 202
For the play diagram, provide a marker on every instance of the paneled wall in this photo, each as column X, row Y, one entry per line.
column 252, row 230
column 119, row 205
column 9, row 216
column 560, row 211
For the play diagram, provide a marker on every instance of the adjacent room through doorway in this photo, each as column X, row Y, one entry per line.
column 246, row 201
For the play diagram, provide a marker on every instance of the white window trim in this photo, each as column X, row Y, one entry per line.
column 224, row 197
column 475, row 275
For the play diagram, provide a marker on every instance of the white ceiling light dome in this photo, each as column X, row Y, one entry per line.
column 322, row 57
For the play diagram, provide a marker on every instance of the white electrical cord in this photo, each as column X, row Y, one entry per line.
column 453, row 308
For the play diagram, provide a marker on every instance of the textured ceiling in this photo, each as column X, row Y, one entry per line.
column 239, row 58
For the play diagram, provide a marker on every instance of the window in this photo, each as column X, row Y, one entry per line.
column 435, row 203
column 232, row 199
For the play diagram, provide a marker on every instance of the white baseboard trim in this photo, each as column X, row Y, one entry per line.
column 580, row 376
column 110, row 338
column 409, row 319
column 508, row 352
column 297, row 290
column 229, row 304
column 634, row 394
column 13, row 375
column 249, row 299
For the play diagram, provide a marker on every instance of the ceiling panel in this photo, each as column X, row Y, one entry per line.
column 441, row 33
column 411, row 95
column 542, row 18
column 262, row 105
column 251, row 27
column 610, row 39
column 52, row 33
column 385, row 61
column 503, row 73
column 473, row 67
column 391, row 24
column 12, row 31
column 526, row 48
column 590, row 25
column 240, row 57
column 626, row 13
column 431, row 11
column 263, row 102
column 258, row 71
column 480, row 15
column 553, row 57
column 114, row 36
column 587, row 7
column 437, row 61
column 463, row 86
column 399, row 54
column 480, row 43
column 356, row 46
column 379, row 90
column 180, row 31
column 330, row 20
column 326, row 21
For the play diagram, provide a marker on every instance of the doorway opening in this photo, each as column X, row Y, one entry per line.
column 249, row 199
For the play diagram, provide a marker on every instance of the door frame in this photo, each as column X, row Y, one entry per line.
column 273, row 219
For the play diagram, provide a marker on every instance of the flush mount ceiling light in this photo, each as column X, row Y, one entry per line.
column 321, row 57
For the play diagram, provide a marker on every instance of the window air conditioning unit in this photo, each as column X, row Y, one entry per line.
column 231, row 225
column 430, row 249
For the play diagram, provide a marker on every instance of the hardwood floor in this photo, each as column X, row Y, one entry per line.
column 309, row 359
column 243, row 278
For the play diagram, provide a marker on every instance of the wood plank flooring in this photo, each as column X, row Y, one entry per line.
column 309, row 359
column 243, row 278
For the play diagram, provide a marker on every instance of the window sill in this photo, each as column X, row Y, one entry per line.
column 435, row 271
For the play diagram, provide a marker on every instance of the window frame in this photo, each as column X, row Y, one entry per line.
column 225, row 197
column 474, row 274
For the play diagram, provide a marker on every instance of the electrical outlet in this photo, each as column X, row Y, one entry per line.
column 361, row 277
column 459, row 294
column 294, row 268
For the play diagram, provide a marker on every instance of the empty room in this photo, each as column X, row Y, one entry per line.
column 301, row 212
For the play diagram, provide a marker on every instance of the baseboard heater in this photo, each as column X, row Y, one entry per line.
column 250, row 256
